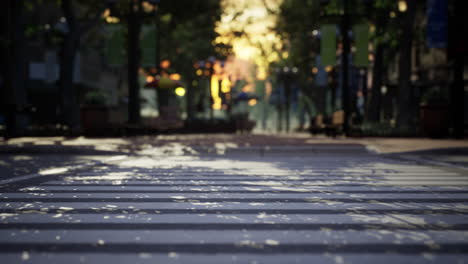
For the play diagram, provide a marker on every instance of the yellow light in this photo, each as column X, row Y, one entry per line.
column 106, row 13
column 149, row 79
column 285, row 55
column 261, row 75
column 112, row 20
column 214, row 87
column 252, row 102
column 402, row 6
column 328, row 68
column 175, row 76
column 180, row 91
column 225, row 85
column 199, row 72
column 217, row 102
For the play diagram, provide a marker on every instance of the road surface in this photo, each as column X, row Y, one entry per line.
column 260, row 204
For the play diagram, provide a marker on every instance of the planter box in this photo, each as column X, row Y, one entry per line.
column 94, row 119
column 434, row 120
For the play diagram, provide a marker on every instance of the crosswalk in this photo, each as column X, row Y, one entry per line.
column 353, row 207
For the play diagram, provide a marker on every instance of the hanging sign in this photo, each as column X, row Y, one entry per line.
column 361, row 41
column 148, row 46
column 328, row 45
column 115, row 50
column 437, row 16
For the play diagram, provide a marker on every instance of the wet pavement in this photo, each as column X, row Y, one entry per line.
column 238, row 203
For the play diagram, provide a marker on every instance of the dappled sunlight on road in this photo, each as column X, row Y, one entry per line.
column 227, row 199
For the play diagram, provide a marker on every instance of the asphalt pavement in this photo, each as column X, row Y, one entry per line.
column 233, row 199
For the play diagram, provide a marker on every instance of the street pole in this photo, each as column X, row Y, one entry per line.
column 287, row 88
column 133, row 62
column 345, row 21
column 162, row 94
column 457, row 52
column 158, row 40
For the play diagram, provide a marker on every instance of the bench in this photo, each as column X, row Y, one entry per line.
column 336, row 124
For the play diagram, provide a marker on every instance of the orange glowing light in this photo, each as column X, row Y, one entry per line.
column 165, row 64
column 328, row 68
column 314, row 70
column 175, row 76
column 199, row 72
column 217, row 68
column 149, row 79
column 252, row 102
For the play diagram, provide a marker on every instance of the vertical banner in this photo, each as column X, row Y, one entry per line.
column 115, row 50
column 361, row 41
column 328, row 45
column 148, row 46
column 437, row 16
column 51, row 66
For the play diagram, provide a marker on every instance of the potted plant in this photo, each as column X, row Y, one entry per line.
column 434, row 113
column 94, row 113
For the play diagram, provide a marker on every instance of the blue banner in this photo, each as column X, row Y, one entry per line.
column 437, row 16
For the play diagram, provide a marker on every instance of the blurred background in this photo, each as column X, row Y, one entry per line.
column 334, row 67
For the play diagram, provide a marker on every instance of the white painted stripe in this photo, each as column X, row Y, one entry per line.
column 276, row 183
column 337, row 237
column 195, row 196
column 340, row 219
column 35, row 205
column 239, row 188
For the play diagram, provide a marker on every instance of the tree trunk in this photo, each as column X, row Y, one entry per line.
column 373, row 114
column 133, row 64
column 16, row 69
column 69, row 109
column 405, row 118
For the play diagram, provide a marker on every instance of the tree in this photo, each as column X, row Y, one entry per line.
column 76, row 28
column 187, row 34
column 406, row 115
column 14, row 65
column 384, row 38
